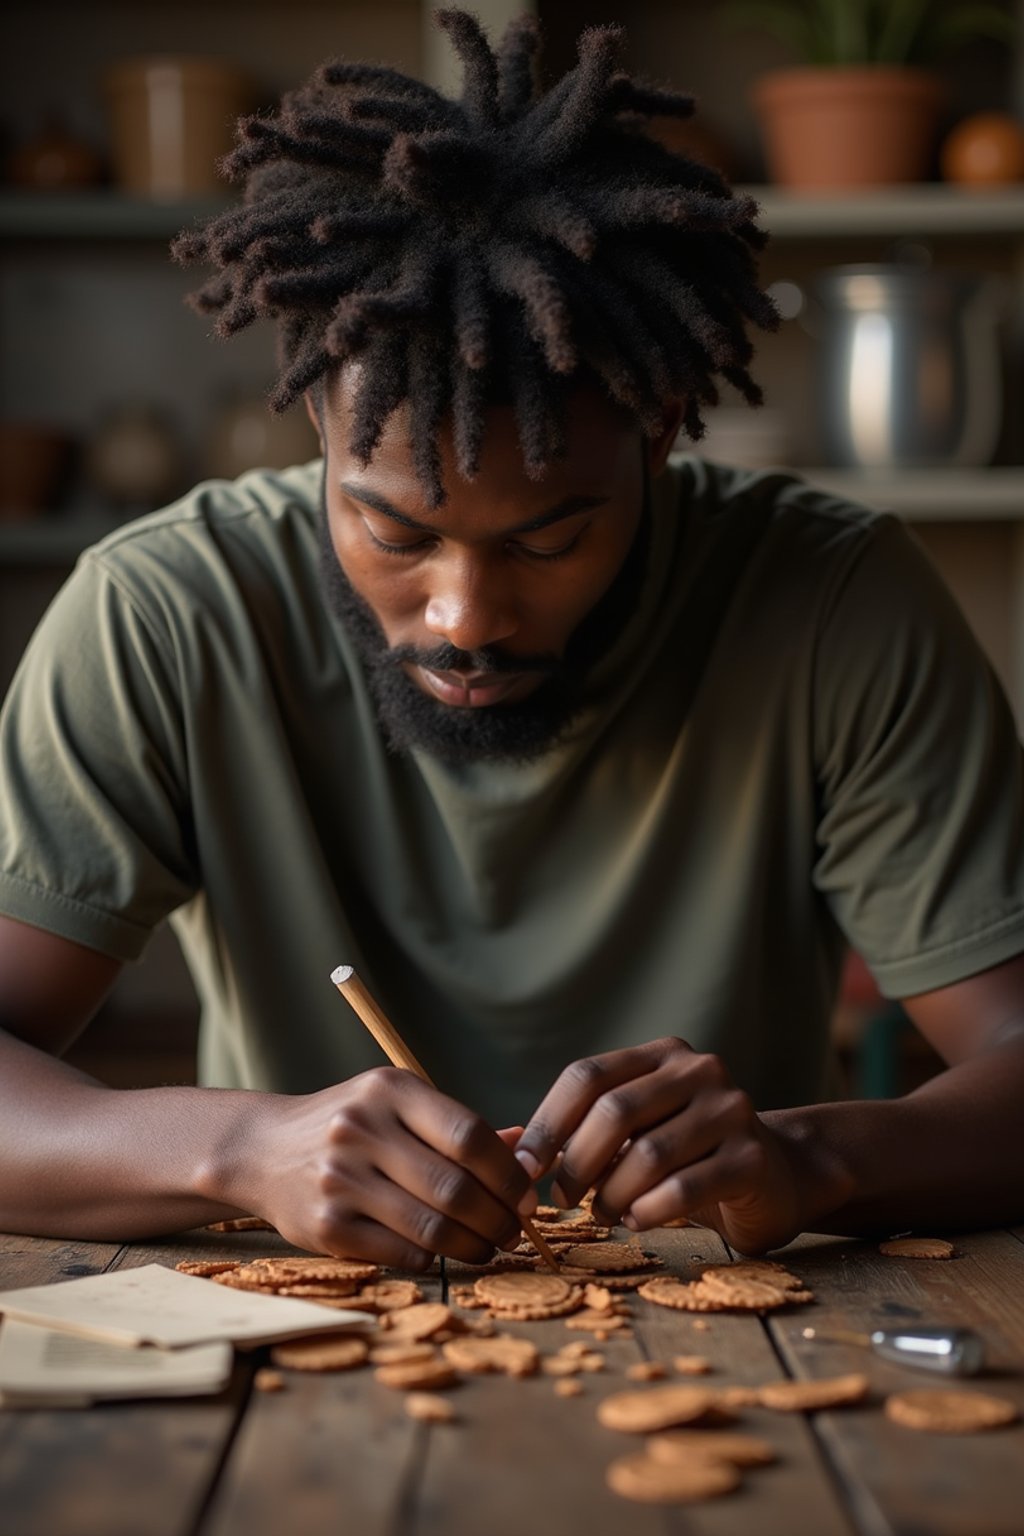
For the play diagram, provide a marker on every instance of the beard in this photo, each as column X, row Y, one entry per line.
column 517, row 732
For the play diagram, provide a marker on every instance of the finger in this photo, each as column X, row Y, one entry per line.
column 658, row 1152
column 425, row 1227
column 364, row 1238
column 447, row 1188
column 574, row 1093
column 620, row 1116
column 733, row 1172
column 510, row 1135
column 463, row 1138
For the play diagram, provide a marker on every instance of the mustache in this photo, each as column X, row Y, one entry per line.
column 448, row 658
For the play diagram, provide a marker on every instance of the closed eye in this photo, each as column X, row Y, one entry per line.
column 407, row 547
column 417, row 546
column 550, row 554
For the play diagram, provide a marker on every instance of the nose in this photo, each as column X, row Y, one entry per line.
column 470, row 604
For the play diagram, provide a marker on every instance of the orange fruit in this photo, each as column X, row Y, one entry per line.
column 986, row 149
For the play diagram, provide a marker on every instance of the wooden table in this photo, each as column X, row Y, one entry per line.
column 336, row 1453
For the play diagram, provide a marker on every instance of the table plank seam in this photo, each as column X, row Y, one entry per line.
column 248, row 1365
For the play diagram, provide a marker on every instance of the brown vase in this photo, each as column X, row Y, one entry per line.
column 171, row 119
column 848, row 128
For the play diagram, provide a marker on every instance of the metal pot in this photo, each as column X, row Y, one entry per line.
column 909, row 366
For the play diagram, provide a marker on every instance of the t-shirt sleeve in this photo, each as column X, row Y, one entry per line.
column 95, row 838
column 921, row 821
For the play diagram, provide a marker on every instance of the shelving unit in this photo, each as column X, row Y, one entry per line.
column 918, row 212
column 97, row 216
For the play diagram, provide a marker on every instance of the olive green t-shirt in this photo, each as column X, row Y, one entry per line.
column 781, row 754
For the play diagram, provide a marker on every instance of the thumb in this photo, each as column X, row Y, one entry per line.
column 511, row 1134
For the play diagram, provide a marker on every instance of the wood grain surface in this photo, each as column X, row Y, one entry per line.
column 337, row 1454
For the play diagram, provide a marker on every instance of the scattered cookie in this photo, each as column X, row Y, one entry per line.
column 267, row 1380
column 568, row 1388
column 943, row 1412
column 327, row 1290
column 653, row 1482
column 320, row 1352
column 559, row 1365
column 642, row 1412
column 205, row 1269
column 401, row 1354
column 426, row 1375
column 311, row 1271
column 743, row 1287
column 512, row 1356
column 609, row 1256
column 917, row 1248
column 691, row 1365
column 522, row 1290
column 646, row 1370
column 674, row 1445
column 429, row 1409
column 681, row 1296
column 729, row 1398
column 416, row 1322
column 391, row 1295
column 528, row 1296
column 800, row 1396
column 314, row 1278
column 589, row 1321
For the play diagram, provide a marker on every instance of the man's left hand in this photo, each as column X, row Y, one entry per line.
column 661, row 1131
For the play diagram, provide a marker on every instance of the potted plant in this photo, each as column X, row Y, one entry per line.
column 863, row 107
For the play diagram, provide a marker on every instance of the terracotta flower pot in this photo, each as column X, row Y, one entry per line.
column 848, row 127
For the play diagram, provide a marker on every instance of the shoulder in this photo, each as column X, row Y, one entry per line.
column 263, row 509
column 790, row 506
column 254, row 534
column 808, row 543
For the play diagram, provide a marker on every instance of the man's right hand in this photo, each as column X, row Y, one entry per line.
column 385, row 1167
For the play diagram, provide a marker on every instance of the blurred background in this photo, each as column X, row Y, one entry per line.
column 883, row 139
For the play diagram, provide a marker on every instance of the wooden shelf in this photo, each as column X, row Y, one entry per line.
column 918, row 210
column 51, row 539
column 931, row 495
column 908, row 211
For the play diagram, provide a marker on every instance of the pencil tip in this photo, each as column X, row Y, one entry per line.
column 341, row 974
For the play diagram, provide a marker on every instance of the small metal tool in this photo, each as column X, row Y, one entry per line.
column 949, row 1351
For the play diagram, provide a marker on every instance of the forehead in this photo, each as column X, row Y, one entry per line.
column 602, row 456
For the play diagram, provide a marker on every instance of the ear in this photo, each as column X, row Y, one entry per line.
column 313, row 414
column 659, row 448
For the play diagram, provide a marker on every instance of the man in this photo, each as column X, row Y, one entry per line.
column 590, row 765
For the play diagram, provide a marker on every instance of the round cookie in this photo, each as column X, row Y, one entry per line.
column 917, row 1248
column 943, row 1412
column 806, row 1396
column 675, row 1445
column 653, row 1482
column 659, row 1408
column 320, row 1352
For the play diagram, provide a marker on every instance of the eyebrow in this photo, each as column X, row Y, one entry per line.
column 569, row 507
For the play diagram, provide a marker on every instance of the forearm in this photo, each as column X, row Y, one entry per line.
column 947, row 1155
column 78, row 1159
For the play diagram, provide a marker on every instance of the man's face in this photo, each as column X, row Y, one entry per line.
column 478, row 620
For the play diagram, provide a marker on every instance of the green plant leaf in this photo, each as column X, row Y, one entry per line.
column 966, row 22
column 784, row 20
column 851, row 32
column 901, row 24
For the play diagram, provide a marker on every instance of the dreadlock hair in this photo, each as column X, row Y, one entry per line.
column 501, row 247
